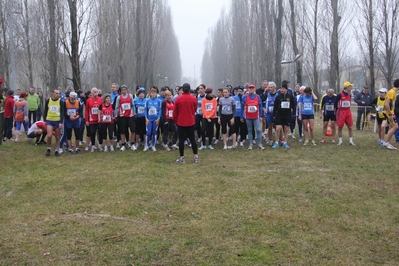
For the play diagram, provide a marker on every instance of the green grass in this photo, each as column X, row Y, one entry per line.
column 304, row 206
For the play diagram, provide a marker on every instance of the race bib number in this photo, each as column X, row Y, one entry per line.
column 226, row 109
column 94, row 111
column 199, row 111
column 208, row 106
column 346, row 104
column 152, row 111
column 329, row 107
column 170, row 112
column 285, row 105
column 71, row 112
column 107, row 118
column 54, row 109
column 238, row 105
column 252, row 109
column 307, row 106
column 125, row 106
column 271, row 108
column 140, row 110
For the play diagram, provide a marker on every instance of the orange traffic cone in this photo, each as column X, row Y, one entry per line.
column 329, row 131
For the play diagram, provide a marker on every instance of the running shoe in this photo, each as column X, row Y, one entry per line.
column 56, row 153
column 123, row 148
column 199, row 140
column 225, row 147
column 118, row 146
column 352, row 143
column 333, row 141
column 166, row 147
column 210, row 147
column 250, row 147
column 100, row 148
column 146, row 148
column 48, row 152
column 275, row 145
column 77, row 151
column 106, row 149
column 180, row 160
column 202, row 147
column 16, row 140
column 306, row 142
column 133, row 147
column 300, row 140
column 87, row 148
column 196, row 159
column 285, row 145
column 93, row 148
column 153, row 148
column 260, row 147
column 216, row 142
column 70, row 151
column 60, row 151
column 293, row 136
column 111, row 148
column 242, row 144
column 323, row 140
column 339, row 143
column 232, row 147
column 175, row 147
column 314, row 143
column 389, row 146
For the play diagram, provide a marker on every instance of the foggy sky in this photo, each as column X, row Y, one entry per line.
column 192, row 20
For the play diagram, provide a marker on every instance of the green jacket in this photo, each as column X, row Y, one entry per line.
column 33, row 102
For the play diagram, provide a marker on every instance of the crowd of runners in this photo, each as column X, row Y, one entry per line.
column 234, row 117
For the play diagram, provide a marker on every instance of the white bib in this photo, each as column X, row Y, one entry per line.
column 329, row 107
column 307, row 106
column 199, row 111
column 285, row 105
column 209, row 106
column 125, row 106
column 271, row 108
column 71, row 112
column 152, row 111
column 346, row 104
column 140, row 110
column 94, row 111
column 107, row 118
column 54, row 109
column 238, row 105
column 170, row 113
column 252, row 109
column 226, row 108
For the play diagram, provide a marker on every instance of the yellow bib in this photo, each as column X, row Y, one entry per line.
column 54, row 110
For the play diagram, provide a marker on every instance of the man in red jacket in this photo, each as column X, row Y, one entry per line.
column 184, row 117
column 9, row 115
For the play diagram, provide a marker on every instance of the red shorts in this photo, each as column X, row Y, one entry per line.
column 344, row 117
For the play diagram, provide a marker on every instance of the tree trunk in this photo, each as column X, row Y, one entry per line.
column 28, row 44
column 74, row 57
column 279, row 38
column 334, row 46
column 53, row 54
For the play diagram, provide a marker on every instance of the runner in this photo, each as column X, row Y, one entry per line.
column 91, row 116
column 139, row 104
column 227, row 113
column 252, row 106
column 342, row 106
column 198, row 114
column 168, row 122
column 53, row 110
column 21, row 115
column 125, row 109
column 39, row 131
column 268, row 110
column 106, row 119
column 389, row 112
column 283, row 106
column 8, row 115
column 184, row 116
column 306, row 114
column 240, row 127
column 327, row 109
column 379, row 103
column 73, row 111
column 209, row 108
column 152, row 114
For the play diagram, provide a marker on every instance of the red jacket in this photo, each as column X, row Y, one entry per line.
column 185, row 108
column 9, row 106
column 91, row 112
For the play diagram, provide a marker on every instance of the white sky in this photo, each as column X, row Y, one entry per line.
column 192, row 20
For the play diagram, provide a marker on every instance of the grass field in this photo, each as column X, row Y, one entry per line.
column 324, row 205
